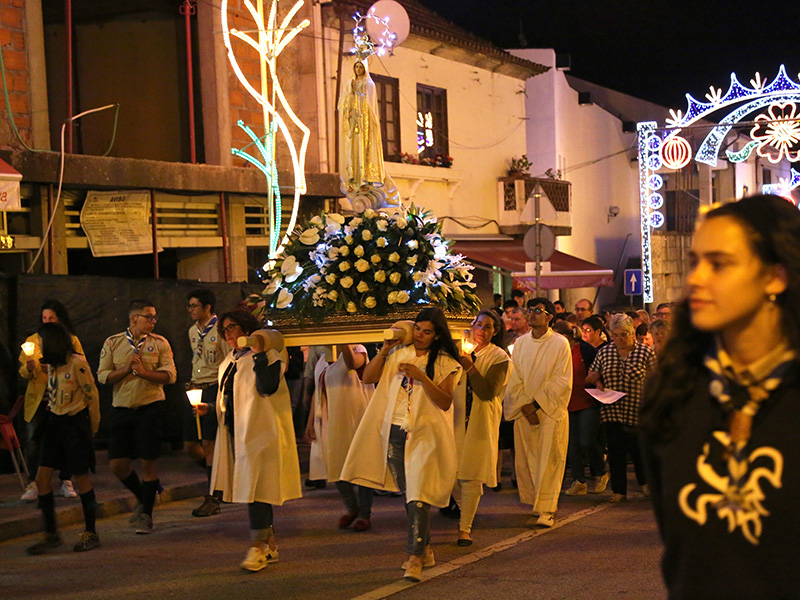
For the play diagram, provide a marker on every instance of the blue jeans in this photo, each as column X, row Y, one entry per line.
column 357, row 498
column 584, row 426
column 418, row 513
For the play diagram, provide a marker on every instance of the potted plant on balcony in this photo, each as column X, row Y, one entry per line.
column 519, row 167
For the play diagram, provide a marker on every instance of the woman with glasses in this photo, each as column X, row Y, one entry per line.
column 479, row 406
column 30, row 368
column 720, row 416
column 255, row 458
column 622, row 366
column 405, row 439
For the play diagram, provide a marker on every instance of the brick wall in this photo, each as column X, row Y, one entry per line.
column 297, row 56
column 12, row 42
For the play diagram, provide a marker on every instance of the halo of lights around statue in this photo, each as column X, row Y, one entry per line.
column 774, row 135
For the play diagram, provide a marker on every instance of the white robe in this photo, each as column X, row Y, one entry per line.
column 337, row 413
column 265, row 467
column 542, row 372
column 477, row 444
column 430, row 457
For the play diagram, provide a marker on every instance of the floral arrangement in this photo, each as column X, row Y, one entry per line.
column 372, row 263
column 519, row 164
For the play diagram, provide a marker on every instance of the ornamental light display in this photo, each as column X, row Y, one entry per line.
column 772, row 124
column 272, row 38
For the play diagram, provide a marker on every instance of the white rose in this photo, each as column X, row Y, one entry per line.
column 344, row 251
column 285, row 298
column 333, row 295
column 375, row 259
column 330, row 278
column 382, row 224
column 344, row 266
column 310, row 236
column 392, row 298
column 370, row 302
column 418, row 276
column 351, row 307
column 412, row 260
column 380, row 276
column 381, row 242
column 402, row 296
column 366, row 235
column 359, row 250
column 355, row 222
column 333, row 253
column 346, row 282
column 401, row 223
column 362, row 265
column 395, row 278
column 273, row 286
column 413, row 244
column 394, row 257
column 348, row 238
column 362, row 287
column 369, row 213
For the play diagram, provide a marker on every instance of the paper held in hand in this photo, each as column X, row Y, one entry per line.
column 606, row 396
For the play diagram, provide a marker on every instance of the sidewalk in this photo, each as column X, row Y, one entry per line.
column 179, row 475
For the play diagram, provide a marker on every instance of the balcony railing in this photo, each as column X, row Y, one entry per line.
column 513, row 194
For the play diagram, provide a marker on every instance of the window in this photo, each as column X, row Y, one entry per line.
column 388, row 92
column 432, row 136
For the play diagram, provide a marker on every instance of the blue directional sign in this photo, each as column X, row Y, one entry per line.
column 633, row 282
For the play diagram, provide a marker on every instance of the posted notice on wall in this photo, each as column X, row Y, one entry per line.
column 117, row 223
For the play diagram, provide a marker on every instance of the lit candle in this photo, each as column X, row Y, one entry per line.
column 28, row 348
column 196, row 398
column 468, row 345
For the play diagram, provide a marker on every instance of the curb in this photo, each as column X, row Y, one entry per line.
column 72, row 515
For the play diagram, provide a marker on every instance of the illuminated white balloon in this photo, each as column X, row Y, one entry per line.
column 397, row 21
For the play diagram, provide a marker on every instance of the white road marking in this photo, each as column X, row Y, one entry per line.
column 428, row 574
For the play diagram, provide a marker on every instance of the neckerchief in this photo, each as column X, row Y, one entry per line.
column 135, row 345
column 211, row 324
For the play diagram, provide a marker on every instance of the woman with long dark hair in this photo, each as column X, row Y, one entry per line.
column 255, row 455
column 35, row 411
column 70, row 422
column 477, row 417
column 720, row 416
column 405, row 440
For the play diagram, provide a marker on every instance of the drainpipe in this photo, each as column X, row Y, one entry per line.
column 68, row 26
column 153, row 220
column 226, row 259
column 188, row 8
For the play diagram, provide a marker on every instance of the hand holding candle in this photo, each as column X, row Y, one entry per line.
column 195, row 399
column 28, row 348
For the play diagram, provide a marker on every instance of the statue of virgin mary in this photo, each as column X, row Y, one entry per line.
column 364, row 179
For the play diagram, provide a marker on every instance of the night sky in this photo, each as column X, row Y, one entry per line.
column 654, row 50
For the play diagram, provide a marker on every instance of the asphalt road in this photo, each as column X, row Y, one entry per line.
column 595, row 550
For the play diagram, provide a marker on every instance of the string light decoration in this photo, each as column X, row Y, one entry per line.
column 784, row 187
column 775, row 136
column 364, row 46
column 424, row 131
column 272, row 40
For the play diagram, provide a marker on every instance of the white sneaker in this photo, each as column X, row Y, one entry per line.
column 31, row 492
column 577, row 489
column 256, row 558
column 600, row 483
column 546, row 519
column 67, row 491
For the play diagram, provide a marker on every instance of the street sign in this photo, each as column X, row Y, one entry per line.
column 633, row 282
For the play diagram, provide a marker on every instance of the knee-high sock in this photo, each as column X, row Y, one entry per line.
column 89, row 509
column 48, row 506
column 149, row 489
column 133, row 483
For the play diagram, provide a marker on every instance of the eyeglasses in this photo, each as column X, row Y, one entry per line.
column 581, row 309
column 193, row 306
column 538, row 311
column 620, row 336
column 230, row 327
column 150, row 318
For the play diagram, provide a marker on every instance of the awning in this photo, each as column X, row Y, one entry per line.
column 566, row 271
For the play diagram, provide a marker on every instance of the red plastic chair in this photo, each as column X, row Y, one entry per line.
column 9, row 440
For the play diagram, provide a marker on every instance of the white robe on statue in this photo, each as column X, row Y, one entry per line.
column 430, row 458
column 264, row 466
column 340, row 402
column 542, row 372
column 477, row 444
